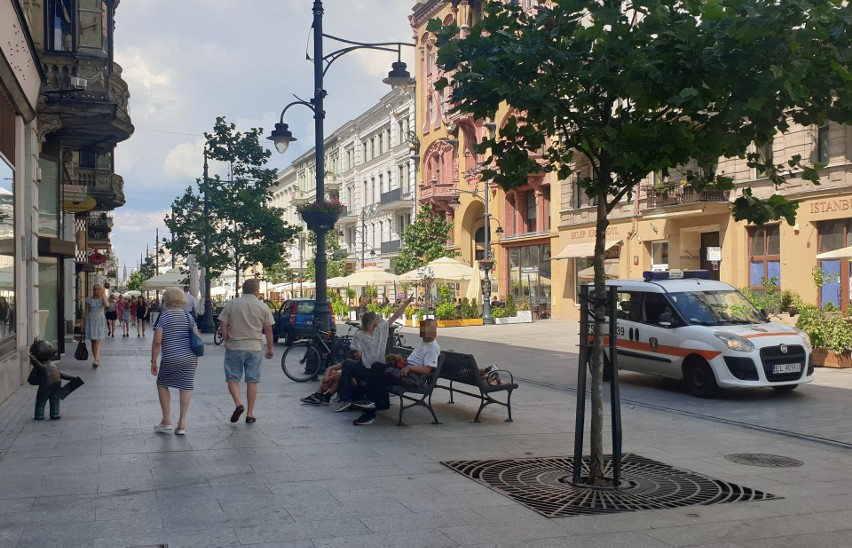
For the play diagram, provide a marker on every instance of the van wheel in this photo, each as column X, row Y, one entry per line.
column 699, row 378
column 785, row 387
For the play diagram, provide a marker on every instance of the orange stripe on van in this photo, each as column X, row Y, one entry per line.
column 663, row 349
column 755, row 335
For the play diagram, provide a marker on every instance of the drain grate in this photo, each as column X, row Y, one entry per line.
column 544, row 485
column 764, row 460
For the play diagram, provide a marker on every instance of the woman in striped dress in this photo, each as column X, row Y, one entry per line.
column 177, row 367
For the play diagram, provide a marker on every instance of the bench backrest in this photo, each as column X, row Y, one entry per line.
column 460, row 367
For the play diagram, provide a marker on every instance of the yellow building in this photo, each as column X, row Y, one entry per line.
column 547, row 228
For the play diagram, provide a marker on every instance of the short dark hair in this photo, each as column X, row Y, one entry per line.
column 251, row 286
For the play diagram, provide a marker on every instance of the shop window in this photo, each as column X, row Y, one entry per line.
column 659, row 256
column 49, row 217
column 61, row 20
column 529, row 274
column 764, row 249
column 7, row 250
column 822, row 145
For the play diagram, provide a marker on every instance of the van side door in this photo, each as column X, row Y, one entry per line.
column 657, row 336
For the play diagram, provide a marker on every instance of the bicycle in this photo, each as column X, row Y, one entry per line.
column 217, row 335
column 305, row 359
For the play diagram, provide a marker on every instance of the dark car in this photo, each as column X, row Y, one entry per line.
column 294, row 320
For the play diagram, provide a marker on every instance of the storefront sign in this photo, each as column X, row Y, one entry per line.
column 830, row 206
column 591, row 233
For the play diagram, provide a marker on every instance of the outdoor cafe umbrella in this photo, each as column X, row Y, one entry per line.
column 474, row 290
column 842, row 253
column 370, row 276
column 443, row 268
column 170, row 278
column 337, row 282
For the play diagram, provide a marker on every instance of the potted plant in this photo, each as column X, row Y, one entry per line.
column 831, row 336
column 321, row 214
column 524, row 312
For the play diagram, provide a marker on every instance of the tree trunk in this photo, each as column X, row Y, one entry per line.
column 596, row 464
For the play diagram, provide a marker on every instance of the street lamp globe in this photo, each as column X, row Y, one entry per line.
column 399, row 77
column 281, row 136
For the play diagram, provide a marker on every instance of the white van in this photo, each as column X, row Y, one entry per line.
column 682, row 325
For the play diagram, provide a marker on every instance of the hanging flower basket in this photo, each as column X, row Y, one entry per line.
column 321, row 215
column 320, row 220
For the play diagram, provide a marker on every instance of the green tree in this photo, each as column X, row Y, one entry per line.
column 243, row 228
column 424, row 240
column 649, row 86
column 336, row 265
column 134, row 281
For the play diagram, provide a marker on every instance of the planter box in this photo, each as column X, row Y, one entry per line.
column 826, row 358
column 449, row 323
column 504, row 321
column 320, row 220
column 524, row 316
column 471, row 322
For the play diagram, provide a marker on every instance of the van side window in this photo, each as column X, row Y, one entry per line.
column 654, row 305
column 627, row 307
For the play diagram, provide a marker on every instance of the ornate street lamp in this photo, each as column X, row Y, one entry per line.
column 397, row 78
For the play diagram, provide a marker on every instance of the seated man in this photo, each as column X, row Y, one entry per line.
column 422, row 360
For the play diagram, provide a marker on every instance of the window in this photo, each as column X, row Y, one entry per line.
column 49, row 217
column 61, row 19
column 88, row 159
column 766, row 157
column 529, row 199
column 430, row 108
column 7, row 247
column 545, row 197
column 822, row 145
column 581, row 199
column 659, row 256
column 764, row 249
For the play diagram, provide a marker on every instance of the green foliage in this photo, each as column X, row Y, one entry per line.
column 820, row 278
column 340, row 308
column 350, row 293
column 424, row 240
column 499, row 312
column 134, row 281
column 468, row 309
column 446, row 311
column 769, row 300
column 445, row 294
column 371, row 292
column 509, row 305
column 336, row 256
column 242, row 227
column 830, row 332
column 523, row 304
column 790, row 298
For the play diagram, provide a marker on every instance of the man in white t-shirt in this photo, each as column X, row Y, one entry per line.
column 190, row 303
column 372, row 343
column 423, row 360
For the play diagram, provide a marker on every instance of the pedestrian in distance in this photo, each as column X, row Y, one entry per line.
column 96, row 324
column 134, row 302
column 111, row 314
column 244, row 323
column 141, row 314
column 123, row 310
column 191, row 304
column 178, row 363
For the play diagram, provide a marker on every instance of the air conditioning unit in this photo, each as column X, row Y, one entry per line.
column 79, row 83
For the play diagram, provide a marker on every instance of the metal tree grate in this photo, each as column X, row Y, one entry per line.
column 764, row 460
column 544, row 485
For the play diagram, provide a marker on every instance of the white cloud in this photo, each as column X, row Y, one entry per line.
column 184, row 161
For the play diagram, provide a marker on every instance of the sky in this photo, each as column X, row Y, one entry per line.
column 188, row 62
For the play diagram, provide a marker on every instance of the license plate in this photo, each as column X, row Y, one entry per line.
column 787, row 368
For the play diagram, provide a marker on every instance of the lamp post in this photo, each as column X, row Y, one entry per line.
column 282, row 136
column 207, row 323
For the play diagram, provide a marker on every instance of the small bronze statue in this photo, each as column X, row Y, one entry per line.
column 47, row 376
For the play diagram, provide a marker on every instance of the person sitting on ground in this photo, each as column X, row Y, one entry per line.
column 371, row 342
column 420, row 364
column 330, row 382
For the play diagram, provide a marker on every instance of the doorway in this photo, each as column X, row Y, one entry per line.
column 710, row 239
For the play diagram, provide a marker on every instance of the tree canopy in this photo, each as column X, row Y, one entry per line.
column 424, row 240
column 648, row 86
column 242, row 227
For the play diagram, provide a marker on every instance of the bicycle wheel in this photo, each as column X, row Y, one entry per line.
column 217, row 336
column 301, row 362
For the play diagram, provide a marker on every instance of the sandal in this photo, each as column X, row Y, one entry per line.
column 95, row 365
column 237, row 412
column 251, row 420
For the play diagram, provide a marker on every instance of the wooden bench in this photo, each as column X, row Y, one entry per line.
column 418, row 396
column 461, row 368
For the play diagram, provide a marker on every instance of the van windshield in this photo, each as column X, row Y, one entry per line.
column 715, row 308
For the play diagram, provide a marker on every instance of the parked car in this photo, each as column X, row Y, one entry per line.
column 682, row 325
column 294, row 320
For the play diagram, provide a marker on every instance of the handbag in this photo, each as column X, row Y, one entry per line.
column 196, row 343
column 82, row 353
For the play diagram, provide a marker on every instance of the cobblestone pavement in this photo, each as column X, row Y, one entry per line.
column 304, row 476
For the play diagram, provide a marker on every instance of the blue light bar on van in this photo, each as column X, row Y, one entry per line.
column 676, row 275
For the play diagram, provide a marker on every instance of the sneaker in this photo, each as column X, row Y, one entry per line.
column 364, row 419
column 342, row 406
column 163, row 428
column 335, row 398
column 325, row 399
column 314, row 398
column 364, row 405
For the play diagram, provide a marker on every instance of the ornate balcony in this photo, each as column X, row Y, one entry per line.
column 84, row 101
column 104, row 186
column 674, row 194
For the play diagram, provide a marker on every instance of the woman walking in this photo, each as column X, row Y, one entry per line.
column 123, row 311
column 178, row 363
column 111, row 314
column 133, row 304
column 141, row 312
column 96, row 324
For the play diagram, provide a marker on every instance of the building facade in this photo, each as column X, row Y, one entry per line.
column 371, row 169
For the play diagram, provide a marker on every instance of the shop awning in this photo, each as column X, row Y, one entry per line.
column 574, row 251
column 842, row 253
